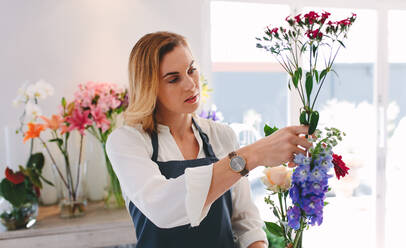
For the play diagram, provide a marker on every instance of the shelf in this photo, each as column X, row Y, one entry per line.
column 99, row 227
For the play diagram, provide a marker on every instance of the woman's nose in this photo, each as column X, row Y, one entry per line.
column 190, row 83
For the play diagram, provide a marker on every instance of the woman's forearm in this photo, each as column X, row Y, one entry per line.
column 223, row 177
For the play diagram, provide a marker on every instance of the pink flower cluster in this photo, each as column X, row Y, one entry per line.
column 94, row 103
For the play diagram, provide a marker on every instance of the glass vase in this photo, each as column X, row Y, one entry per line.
column 114, row 197
column 72, row 191
column 21, row 217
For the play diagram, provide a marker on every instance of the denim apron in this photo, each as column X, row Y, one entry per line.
column 215, row 229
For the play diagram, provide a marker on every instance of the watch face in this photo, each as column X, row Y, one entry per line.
column 237, row 163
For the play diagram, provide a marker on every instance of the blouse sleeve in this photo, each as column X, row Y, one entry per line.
column 166, row 202
column 246, row 220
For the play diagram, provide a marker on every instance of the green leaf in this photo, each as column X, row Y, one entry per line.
column 314, row 50
column 63, row 102
column 313, row 121
column 300, row 72
column 326, row 203
column 316, row 74
column 14, row 193
column 274, row 228
column 36, row 160
column 58, row 140
column 259, row 46
column 303, row 119
column 295, row 79
column 323, row 73
column 341, row 43
column 45, row 180
column 269, row 130
column 309, row 84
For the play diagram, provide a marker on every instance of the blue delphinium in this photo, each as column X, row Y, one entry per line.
column 309, row 186
column 294, row 217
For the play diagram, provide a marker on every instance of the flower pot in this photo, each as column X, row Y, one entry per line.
column 19, row 217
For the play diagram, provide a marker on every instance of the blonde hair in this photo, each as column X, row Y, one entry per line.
column 144, row 70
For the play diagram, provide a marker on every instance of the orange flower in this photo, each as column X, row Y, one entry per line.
column 54, row 123
column 34, row 131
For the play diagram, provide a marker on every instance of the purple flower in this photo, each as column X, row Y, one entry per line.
column 294, row 193
column 301, row 173
column 294, row 217
column 301, row 159
column 317, row 175
column 316, row 219
column 312, row 205
column 316, row 188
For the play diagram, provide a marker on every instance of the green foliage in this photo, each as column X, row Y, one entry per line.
column 269, row 130
column 22, row 193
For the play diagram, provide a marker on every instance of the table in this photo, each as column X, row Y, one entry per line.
column 100, row 227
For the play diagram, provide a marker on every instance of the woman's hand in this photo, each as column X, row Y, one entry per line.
column 278, row 148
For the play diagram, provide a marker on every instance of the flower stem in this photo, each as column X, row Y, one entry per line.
column 79, row 163
column 297, row 243
column 53, row 162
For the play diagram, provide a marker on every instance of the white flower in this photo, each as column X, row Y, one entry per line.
column 22, row 96
column 32, row 111
column 39, row 90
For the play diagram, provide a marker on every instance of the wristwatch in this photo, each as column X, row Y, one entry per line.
column 238, row 164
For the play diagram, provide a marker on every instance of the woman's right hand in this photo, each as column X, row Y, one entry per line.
column 278, row 148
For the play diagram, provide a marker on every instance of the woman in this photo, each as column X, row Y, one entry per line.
column 182, row 176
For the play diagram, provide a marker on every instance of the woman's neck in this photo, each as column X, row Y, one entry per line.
column 179, row 124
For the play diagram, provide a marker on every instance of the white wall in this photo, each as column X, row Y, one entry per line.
column 70, row 42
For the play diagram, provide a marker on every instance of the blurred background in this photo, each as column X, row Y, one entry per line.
column 69, row 42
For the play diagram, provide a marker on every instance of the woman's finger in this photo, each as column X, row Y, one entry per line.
column 300, row 129
column 302, row 141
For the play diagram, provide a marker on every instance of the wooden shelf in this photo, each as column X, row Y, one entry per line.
column 99, row 227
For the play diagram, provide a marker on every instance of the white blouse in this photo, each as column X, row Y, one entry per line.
column 174, row 202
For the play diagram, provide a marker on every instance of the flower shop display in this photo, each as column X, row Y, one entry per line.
column 312, row 38
column 101, row 103
column 21, row 190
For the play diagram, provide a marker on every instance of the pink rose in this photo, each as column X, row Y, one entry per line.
column 277, row 179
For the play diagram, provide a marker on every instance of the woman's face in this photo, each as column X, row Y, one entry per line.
column 178, row 91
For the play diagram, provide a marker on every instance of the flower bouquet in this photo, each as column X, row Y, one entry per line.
column 21, row 189
column 312, row 37
column 60, row 127
column 100, row 104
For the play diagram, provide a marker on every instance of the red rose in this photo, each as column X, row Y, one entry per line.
column 339, row 166
column 15, row 178
column 274, row 30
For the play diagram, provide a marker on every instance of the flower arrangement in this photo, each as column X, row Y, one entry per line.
column 99, row 104
column 21, row 189
column 315, row 37
column 93, row 108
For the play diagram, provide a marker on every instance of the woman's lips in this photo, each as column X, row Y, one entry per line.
column 193, row 99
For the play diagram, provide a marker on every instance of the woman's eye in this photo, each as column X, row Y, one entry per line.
column 191, row 70
column 173, row 80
